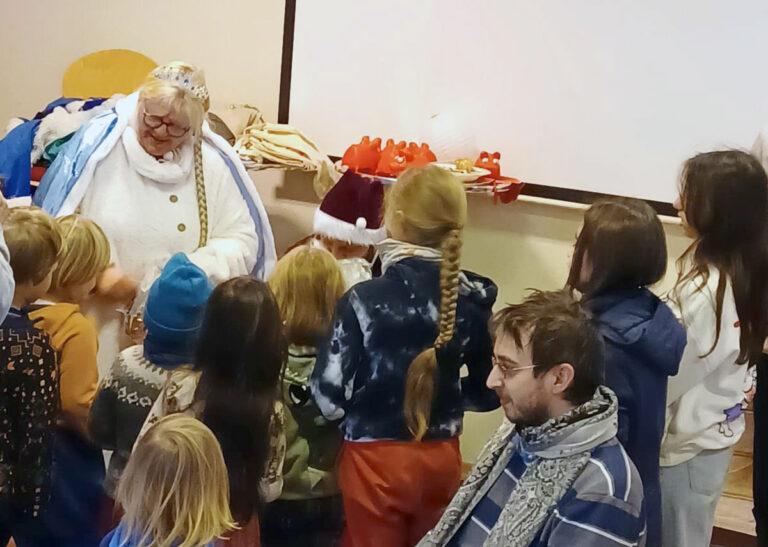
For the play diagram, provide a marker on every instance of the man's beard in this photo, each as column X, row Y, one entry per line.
column 532, row 417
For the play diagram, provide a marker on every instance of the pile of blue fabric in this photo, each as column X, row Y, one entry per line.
column 16, row 149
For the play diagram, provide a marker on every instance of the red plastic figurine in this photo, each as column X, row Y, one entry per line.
column 363, row 157
column 422, row 155
column 489, row 161
column 394, row 159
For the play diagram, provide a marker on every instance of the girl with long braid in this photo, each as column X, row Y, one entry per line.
column 392, row 369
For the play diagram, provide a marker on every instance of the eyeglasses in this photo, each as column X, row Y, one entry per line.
column 509, row 370
column 155, row 122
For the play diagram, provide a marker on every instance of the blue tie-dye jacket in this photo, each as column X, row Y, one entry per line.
column 380, row 326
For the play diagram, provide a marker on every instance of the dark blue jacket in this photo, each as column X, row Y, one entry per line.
column 644, row 344
column 380, row 326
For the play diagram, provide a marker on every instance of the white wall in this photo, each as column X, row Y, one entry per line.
column 570, row 92
column 238, row 43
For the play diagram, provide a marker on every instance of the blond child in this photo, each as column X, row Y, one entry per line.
column 175, row 490
column 28, row 378
column 401, row 417
column 71, row 517
column 307, row 284
column 84, row 257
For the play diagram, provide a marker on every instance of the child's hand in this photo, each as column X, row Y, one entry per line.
column 115, row 285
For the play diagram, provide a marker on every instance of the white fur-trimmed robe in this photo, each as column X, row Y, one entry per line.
column 148, row 208
column 147, row 220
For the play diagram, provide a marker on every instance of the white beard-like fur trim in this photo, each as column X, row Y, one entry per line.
column 326, row 225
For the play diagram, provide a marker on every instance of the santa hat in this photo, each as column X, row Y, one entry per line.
column 351, row 211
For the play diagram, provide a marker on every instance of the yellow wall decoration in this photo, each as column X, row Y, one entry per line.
column 104, row 73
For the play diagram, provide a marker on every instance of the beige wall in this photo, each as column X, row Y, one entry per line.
column 239, row 43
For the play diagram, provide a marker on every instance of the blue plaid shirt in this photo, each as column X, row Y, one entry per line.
column 601, row 509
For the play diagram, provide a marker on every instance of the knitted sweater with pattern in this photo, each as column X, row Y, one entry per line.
column 125, row 396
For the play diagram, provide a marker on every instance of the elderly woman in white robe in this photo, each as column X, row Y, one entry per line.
column 158, row 181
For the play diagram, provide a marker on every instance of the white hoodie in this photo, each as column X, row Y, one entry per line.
column 708, row 383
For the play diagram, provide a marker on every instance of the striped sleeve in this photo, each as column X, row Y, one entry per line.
column 604, row 508
column 596, row 521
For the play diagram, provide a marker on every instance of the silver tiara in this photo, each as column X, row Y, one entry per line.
column 181, row 79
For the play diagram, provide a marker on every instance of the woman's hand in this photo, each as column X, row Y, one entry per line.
column 115, row 285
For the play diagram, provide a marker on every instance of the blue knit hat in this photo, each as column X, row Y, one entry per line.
column 173, row 313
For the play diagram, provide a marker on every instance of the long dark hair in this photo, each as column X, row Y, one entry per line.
column 724, row 196
column 241, row 354
column 623, row 242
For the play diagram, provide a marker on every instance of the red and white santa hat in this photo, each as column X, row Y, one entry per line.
column 352, row 211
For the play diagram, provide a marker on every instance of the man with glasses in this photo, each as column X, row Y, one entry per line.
column 554, row 474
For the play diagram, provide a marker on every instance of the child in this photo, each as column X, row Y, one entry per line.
column 307, row 284
column 29, row 379
column 391, row 371
column 84, row 257
column 621, row 251
column 174, row 491
column 722, row 298
column 71, row 517
column 173, row 316
column 348, row 224
column 232, row 387
column 6, row 274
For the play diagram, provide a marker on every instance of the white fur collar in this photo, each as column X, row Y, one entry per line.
column 169, row 171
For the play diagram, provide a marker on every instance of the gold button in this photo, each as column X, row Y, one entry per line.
column 174, row 198
column 181, row 227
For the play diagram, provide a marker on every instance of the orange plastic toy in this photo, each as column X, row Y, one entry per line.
column 489, row 161
column 421, row 155
column 394, row 159
column 363, row 157
column 368, row 157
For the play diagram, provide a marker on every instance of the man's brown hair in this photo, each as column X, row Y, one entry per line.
column 560, row 331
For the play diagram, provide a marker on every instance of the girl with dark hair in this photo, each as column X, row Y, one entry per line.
column 722, row 299
column 620, row 252
column 233, row 388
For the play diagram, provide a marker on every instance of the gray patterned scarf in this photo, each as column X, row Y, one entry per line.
column 392, row 251
column 562, row 447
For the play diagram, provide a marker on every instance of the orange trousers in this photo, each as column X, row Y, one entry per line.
column 395, row 492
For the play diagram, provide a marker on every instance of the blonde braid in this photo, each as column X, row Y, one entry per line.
column 450, row 267
column 420, row 379
column 202, row 202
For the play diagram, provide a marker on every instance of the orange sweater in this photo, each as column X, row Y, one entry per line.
column 74, row 337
